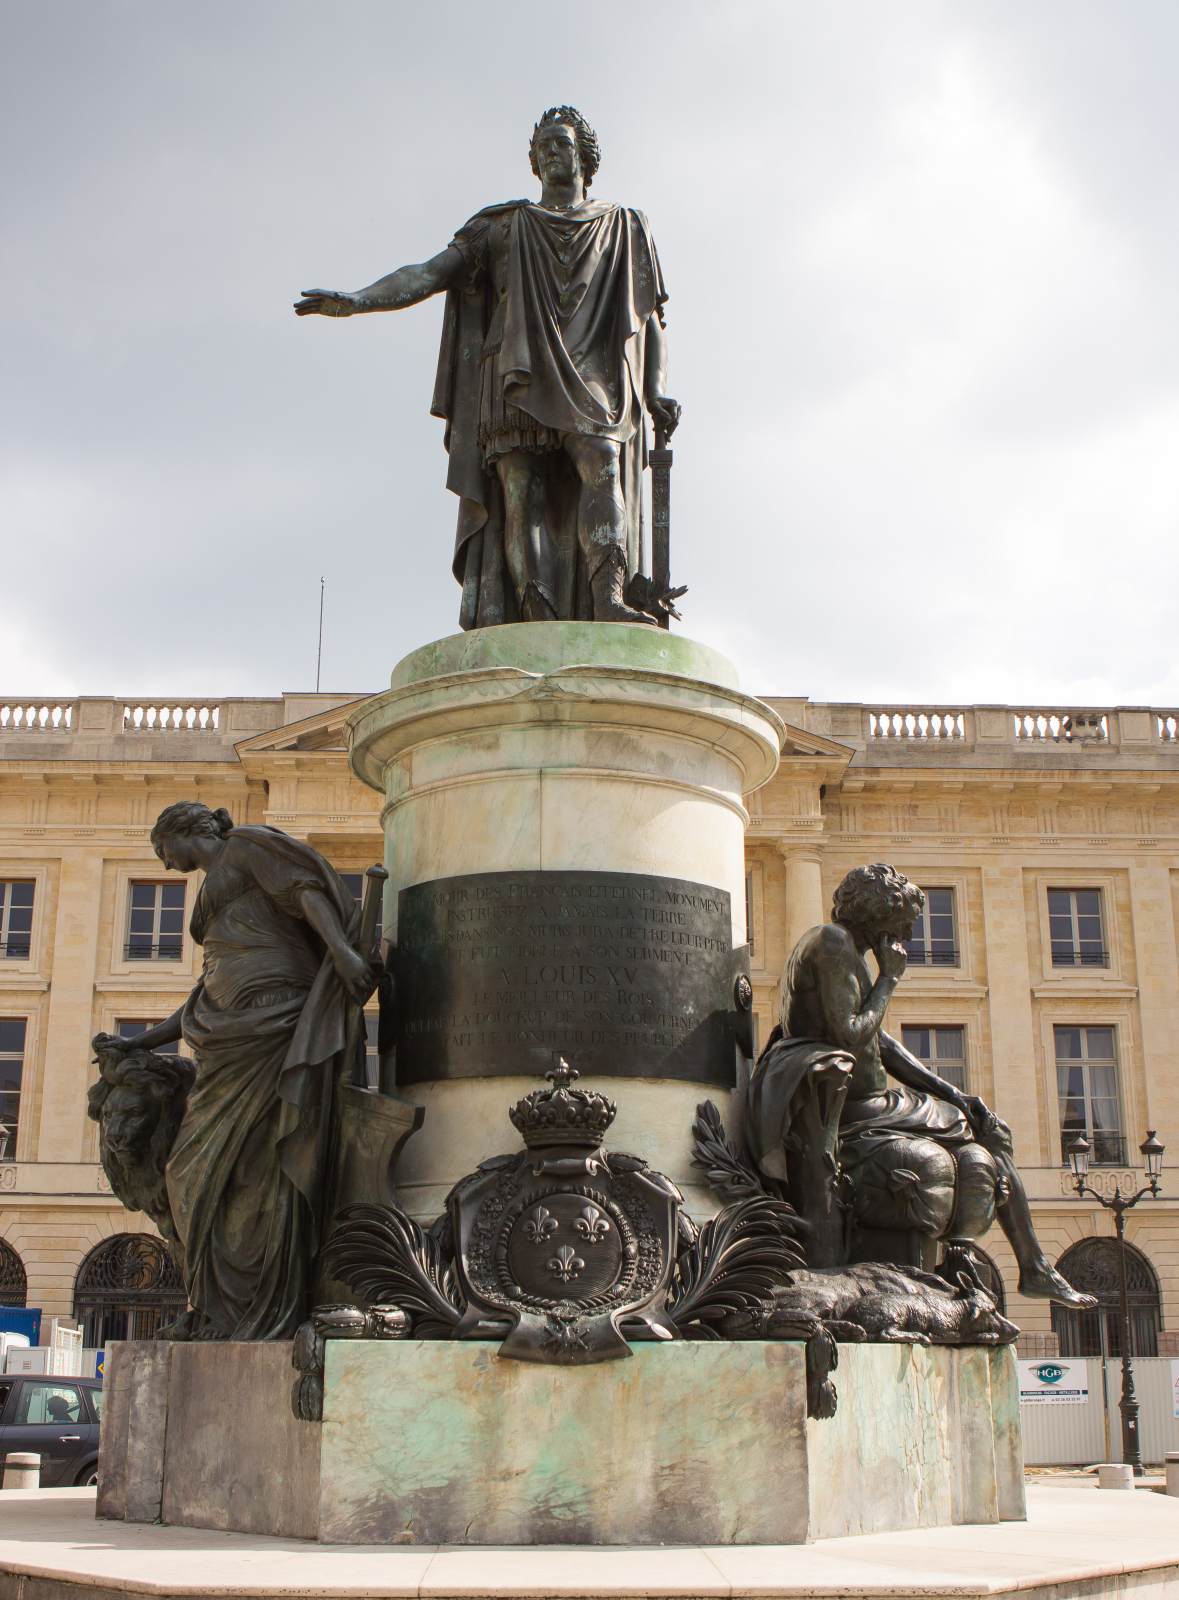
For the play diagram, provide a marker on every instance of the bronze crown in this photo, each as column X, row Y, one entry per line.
column 563, row 1115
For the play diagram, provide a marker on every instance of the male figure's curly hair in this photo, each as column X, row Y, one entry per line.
column 588, row 148
column 188, row 817
column 872, row 895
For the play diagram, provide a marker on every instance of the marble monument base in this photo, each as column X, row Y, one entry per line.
column 438, row 1443
column 564, row 819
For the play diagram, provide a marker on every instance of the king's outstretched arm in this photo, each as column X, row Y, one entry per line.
column 405, row 287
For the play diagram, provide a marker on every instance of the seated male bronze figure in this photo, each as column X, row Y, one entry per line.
column 925, row 1161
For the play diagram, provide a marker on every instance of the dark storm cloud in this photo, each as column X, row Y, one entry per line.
column 921, row 260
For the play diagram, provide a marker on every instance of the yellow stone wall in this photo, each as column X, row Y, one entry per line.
column 995, row 813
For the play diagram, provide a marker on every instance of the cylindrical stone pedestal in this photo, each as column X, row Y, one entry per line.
column 564, row 835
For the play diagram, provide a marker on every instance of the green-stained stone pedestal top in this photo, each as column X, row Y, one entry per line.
column 542, row 647
column 688, row 1443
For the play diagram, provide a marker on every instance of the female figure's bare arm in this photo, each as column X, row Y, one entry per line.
column 166, row 1032
column 356, row 974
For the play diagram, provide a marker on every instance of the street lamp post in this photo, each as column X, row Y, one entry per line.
column 1152, row 1156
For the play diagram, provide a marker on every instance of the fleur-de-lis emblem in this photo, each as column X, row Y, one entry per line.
column 591, row 1225
column 565, row 1264
column 539, row 1226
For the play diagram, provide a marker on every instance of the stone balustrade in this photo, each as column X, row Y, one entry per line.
column 140, row 727
column 36, row 716
column 916, row 722
column 1060, row 727
column 180, row 717
column 157, row 727
column 993, row 735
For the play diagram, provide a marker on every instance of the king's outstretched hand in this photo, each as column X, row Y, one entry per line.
column 326, row 303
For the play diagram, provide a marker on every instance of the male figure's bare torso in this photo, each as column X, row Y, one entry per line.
column 829, row 983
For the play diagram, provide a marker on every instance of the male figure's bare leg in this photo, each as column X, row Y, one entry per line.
column 601, row 525
column 1038, row 1278
column 528, row 550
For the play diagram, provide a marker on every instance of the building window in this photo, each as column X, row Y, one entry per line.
column 935, row 937
column 749, row 939
column 12, row 1060
column 127, row 1288
column 155, row 921
column 354, row 883
column 16, row 918
column 1093, row 1267
column 943, row 1050
column 1075, row 928
column 14, row 1286
column 1087, row 1086
column 132, row 1027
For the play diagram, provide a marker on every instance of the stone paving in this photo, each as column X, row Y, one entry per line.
column 1077, row 1542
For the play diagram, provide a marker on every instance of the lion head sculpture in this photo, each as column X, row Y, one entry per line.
column 138, row 1103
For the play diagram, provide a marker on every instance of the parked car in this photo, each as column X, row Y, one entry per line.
column 56, row 1417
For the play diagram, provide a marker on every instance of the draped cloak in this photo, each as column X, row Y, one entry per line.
column 895, row 1112
column 252, row 1160
column 559, row 301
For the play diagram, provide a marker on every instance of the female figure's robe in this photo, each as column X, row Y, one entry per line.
column 249, row 1174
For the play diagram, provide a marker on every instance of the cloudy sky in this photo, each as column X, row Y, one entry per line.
column 922, row 259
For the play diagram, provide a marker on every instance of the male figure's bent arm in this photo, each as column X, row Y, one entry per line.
column 849, row 1024
column 906, row 1069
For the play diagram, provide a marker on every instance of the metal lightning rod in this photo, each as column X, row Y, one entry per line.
column 319, row 647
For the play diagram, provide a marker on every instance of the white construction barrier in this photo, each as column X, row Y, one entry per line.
column 1078, row 1430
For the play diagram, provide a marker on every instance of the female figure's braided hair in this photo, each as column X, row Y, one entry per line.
column 189, row 817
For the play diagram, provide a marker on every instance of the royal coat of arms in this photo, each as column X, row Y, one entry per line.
column 564, row 1239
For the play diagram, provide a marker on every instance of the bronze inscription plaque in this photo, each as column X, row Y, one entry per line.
column 622, row 974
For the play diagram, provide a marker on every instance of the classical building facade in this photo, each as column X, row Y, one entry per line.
column 1045, row 976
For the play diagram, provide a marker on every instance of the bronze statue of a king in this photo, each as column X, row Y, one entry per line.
column 552, row 347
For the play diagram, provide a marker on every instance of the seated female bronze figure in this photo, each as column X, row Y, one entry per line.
column 250, row 1168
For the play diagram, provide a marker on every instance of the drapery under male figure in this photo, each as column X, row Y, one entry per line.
column 832, row 1016
column 552, row 343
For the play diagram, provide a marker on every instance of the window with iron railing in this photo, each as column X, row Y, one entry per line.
column 1087, row 1088
column 1076, row 928
column 16, row 918
column 942, row 1047
column 935, row 934
column 155, row 921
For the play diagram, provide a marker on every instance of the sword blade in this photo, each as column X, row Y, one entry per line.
column 661, row 460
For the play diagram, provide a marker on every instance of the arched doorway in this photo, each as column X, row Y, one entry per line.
column 128, row 1287
column 14, row 1285
column 1092, row 1266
